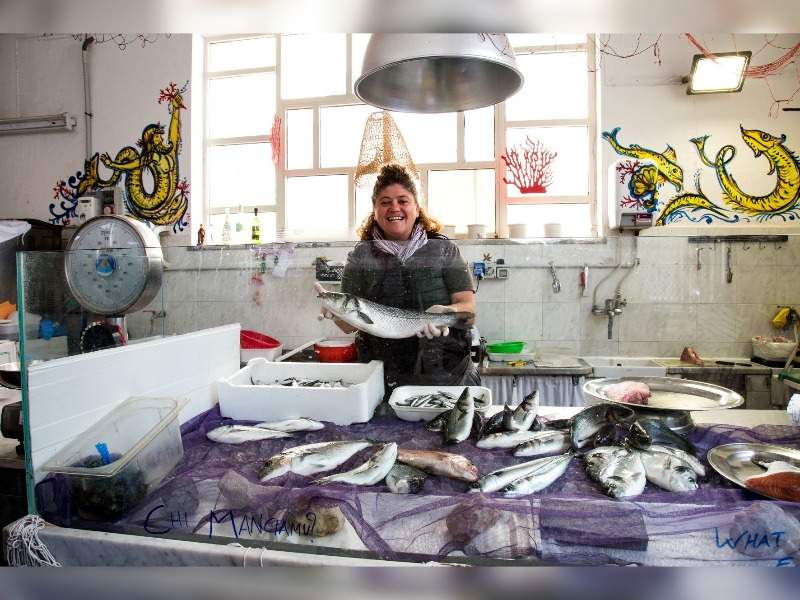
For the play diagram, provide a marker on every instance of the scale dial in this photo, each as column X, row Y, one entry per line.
column 114, row 265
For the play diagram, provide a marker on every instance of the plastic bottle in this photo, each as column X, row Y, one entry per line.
column 241, row 234
column 255, row 228
column 226, row 228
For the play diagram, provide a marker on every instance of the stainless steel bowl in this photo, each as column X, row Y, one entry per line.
column 10, row 376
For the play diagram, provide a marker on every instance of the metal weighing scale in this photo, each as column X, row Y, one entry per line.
column 113, row 267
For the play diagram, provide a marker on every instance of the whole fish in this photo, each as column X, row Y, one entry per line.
column 441, row 463
column 461, row 420
column 386, row 321
column 621, row 473
column 496, row 423
column 239, row 434
column 545, row 442
column 668, row 472
column 311, row 458
column 524, row 414
column 689, row 459
column 369, row 473
column 497, row 480
column 591, row 420
column 292, row 425
column 549, row 469
column 598, row 459
column 505, row 439
column 646, row 432
column 403, row 479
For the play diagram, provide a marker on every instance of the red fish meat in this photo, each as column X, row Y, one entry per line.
column 781, row 481
column 634, row 392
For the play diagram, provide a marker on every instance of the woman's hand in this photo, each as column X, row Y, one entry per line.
column 429, row 330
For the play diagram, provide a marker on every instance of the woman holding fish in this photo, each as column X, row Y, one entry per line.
column 419, row 289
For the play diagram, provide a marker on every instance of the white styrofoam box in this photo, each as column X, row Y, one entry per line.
column 482, row 396
column 240, row 399
column 266, row 353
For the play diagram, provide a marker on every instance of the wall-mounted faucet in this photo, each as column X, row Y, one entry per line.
column 556, row 282
column 612, row 307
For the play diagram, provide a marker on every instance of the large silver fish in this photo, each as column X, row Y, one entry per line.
column 524, row 414
column 546, row 472
column 590, row 420
column 505, row 439
column 496, row 423
column 461, row 420
column 403, row 479
column 386, row 321
column 497, row 480
column 668, row 472
column 689, row 459
column 369, row 473
column 545, row 442
column 441, row 463
column 311, row 458
column 621, row 473
column 239, row 434
column 292, row 425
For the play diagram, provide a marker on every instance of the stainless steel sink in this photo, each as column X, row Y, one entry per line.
column 625, row 366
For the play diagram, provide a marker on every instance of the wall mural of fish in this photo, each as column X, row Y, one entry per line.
column 735, row 205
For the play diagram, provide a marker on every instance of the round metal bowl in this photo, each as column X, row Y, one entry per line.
column 10, row 375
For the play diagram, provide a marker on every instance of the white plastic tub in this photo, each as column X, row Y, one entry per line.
column 143, row 437
column 240, row 399
column 482, row 395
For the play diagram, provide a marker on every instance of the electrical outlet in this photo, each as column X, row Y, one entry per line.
column 479, row 270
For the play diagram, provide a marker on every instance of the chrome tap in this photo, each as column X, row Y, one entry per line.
column 612, row 307
column 556, row 282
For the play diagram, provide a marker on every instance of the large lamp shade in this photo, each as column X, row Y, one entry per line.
column 436, row 73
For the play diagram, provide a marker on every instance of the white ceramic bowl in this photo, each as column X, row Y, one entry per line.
column 482, row 395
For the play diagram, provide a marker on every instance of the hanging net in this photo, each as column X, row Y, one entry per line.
column 381, row 145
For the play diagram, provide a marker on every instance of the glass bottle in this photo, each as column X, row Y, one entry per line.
column 226, row 228
column 241, row 234
column 255, row 229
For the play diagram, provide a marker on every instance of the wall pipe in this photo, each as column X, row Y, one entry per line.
column 87, row 99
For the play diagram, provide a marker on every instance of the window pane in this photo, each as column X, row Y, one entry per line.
column 242, row 105
column 341, row 130
column 570, row 168
column 250, row 53
column 317, row 206
column 430, row 138
column 363, row 202
column 479, row 134
column 241, row 174
column 313, row 65
column 575, row 219
column 360, row 41
column 267, row 225
column 461, row 198
column 546, row 39
column 555, row 87
column 300, row 142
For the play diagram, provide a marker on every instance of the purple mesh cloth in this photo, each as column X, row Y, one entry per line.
column 573, row 513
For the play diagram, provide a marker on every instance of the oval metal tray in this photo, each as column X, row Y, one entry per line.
column 670, row 393
column 734, row 461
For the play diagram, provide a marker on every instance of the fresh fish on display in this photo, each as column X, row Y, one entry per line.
column 440, row 399
column 646, row 432
column 500, row 478
column 689, row 459
column 461, row 420
column 505, row 439
column 292, row 425
column 545, row 442
column 546, row 472
column 611, row 434
column 239, row 434
column 441, row 463
column 781, row 481
column 386, row 321
column 371, row 472
column 618, row 470
column 590, row 420
column 311, row 458
column 668, row 472
column 403, row 479
column 303, row 382
column 524, row 414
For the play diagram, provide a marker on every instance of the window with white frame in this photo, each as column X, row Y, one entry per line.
column 306, row 81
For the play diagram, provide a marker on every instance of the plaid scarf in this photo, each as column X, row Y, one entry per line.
column 402, row 250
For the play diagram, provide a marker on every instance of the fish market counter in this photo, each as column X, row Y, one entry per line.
column 214, row 510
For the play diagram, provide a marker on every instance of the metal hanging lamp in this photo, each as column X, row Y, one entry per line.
column 437, row 73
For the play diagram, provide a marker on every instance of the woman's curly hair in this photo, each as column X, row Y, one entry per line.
column 389, row 175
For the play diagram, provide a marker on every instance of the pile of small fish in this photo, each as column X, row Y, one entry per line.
column 239, row 434
column 439, row 399
column 303, row 382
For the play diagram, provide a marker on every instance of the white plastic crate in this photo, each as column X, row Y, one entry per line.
column 240, row 399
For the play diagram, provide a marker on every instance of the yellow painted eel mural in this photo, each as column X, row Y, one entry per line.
column 736, row 205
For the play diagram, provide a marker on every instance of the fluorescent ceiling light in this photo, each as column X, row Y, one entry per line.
column 723, row 72
column 62, row 122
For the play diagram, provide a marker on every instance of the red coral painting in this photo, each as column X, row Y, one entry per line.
column 530, row 166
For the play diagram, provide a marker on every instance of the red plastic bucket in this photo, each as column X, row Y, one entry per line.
column 254, row 345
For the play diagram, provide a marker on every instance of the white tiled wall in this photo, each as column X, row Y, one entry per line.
column 671, row 303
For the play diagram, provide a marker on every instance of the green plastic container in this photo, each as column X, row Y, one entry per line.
column 506, row 347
